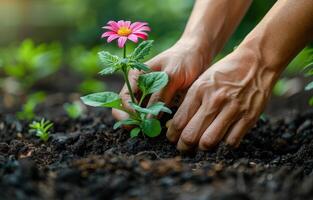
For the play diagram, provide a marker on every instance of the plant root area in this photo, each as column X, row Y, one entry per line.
column 87, row 159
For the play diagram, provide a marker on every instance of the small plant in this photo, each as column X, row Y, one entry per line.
column 149, row 82
column 41, row 129
column 308, row 71
column 73, row 110
column 28, row 109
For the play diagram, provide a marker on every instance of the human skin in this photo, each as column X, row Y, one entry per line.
column 210, row 25
column 227, row 99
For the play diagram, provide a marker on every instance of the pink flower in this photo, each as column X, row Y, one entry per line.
column 123, row 30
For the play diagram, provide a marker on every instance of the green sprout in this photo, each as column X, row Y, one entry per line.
column 28, row 109
column 73, row 110
column 308, row 71
column 148, row 83
column 41, row 129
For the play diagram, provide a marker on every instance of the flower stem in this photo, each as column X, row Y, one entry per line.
column 141, row 99
column 125, row 73
column 124, row 55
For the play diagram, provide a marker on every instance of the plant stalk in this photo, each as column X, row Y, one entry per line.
column 125, row 73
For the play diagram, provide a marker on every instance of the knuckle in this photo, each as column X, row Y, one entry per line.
column 232, row 141
column 171, row 137
column 187, row 139
column 178, row 124
column 249, row 118
column 208, row 143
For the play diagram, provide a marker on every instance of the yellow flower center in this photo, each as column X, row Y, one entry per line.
column 124, row 31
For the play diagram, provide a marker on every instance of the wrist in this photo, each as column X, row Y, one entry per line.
column 253, row 60
column 197, row 46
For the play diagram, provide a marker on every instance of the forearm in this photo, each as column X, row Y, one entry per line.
column 283, row 32
column 213, row 21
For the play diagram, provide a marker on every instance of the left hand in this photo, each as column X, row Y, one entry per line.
column 224, row 103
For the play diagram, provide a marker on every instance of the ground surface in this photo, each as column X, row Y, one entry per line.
column 86, row 159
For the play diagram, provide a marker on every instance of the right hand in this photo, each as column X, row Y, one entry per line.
column 184, row 63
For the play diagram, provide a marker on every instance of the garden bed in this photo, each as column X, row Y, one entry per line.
column 87, row 159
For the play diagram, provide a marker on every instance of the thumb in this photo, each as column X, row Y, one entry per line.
column 155, row 64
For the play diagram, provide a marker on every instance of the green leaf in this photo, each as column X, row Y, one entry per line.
column 103, row 99
column 311, row 101
column 142, row 50
column 151, row 127
column 125, row 122
column 308, row 69
column 154, row 109
column 111, row 63
column 140, row 66
column 134, row 132
column 309, row 86
column 152, row 82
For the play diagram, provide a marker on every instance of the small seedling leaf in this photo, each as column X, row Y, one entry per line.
column 154, row 109
column 134, row 132
column 152, row 82
column 125, row 122
column 311, row 101
column 151, row 127
column 111, row 63
column 308, row 69
column 103, row 99
column 309, row 86
column 142, row 50
column 140, row 66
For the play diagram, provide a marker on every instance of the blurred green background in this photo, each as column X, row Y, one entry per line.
column 44, row 41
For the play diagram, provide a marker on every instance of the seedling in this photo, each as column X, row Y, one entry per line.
column 148, row 83
column 41, row 129
column 73, row 110
column 308, row 71
column 28, row 109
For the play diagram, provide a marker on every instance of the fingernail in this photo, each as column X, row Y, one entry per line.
column 181, row 146
column 168, row 123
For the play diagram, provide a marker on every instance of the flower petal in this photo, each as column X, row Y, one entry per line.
column 121, row 23
column 114, row 25
column 107, row 34
column 140, row 32
column 144, row 28
column 127, row 24
column 112, row 37
column 133, row 38
column 137, row 25
column 141, row 35
column 110, row 28
column 121, row 42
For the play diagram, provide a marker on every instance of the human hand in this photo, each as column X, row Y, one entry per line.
column 184, row 62
column 223, row 103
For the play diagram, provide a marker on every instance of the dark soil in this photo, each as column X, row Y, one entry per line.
column 86, row 159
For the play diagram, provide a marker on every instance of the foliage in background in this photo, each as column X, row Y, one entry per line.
column 85, row 62
column 308, row 71
column 28, row 109
column 29, row 63
column 73, row 110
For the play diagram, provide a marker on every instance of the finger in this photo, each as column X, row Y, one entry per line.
column 155, row 64
column 237, row 132
column 188, row 108
column 216, row 131
column 192, row 133
column 119, row 115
